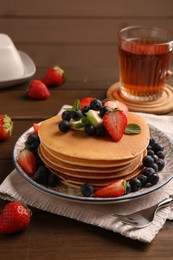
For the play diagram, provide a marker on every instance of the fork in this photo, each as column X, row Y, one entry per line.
column 145, row 217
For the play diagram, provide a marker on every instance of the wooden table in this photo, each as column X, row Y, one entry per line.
column 81, row 38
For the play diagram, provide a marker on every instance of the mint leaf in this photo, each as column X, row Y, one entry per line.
column 132, row 129
column 79, row 125
column 76, row 106
column 87, row 120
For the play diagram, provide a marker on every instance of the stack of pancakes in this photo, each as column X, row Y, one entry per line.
column 77, row 158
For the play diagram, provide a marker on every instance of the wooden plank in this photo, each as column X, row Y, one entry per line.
column 90, row 8
column 84, row 31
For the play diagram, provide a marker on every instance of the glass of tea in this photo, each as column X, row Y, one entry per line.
column 144, row 57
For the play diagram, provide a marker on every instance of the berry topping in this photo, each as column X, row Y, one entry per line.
column 115, row 123
column 96, row 104
column 76, row 115
column 64, row 126
column 85, row 102
column 66, row 115
column 135, row 184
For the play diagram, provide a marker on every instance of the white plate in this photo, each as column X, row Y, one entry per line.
column 65, row 192
column 29, row 71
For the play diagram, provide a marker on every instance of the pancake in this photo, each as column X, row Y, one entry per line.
column 76, row 144
column 54, row 162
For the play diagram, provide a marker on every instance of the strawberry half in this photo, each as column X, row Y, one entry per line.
column 117, row 104
column 115, row 123
column 15, row 216
column 115, row 189
column 6, row 127
column 27, row 161
column 38, row 90
column 36, row 127
column 54, row 76
column 85, row 102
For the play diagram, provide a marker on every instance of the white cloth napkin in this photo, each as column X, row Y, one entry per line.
column 15, row 187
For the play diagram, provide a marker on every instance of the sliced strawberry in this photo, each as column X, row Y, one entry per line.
column 115, row 189
column 38, row 90
column 36, row 127
column 117, row 104
column 27, row 161
column 115, row 123
column 85, row 102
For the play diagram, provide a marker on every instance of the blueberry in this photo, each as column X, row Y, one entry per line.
column 77, row 115
column 32, row 142
column 143, row 179
column 64, row 126
column 156, row 158
column 87, row 190
column 41, row 175
column 128, row 188
column 96, row 104
column 155, row 167
column 152, row 142
column 148, row 185
column 135, row 184
column 153, row 178
column 52, row 180
column 90, row 130
column 158, row 147
column 160, row 154
column 66, row 115
column 147, row 161
column 100, row 131
column 148, row 170
column 85, row 109
column 161, row 164
column 104, row 110
column 150, row 152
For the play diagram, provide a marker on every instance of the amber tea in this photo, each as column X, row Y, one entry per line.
column 144, row 65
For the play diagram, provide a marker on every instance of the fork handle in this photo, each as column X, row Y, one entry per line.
column 165, row 202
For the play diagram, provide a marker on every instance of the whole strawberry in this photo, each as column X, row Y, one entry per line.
column 14, row 217
column 38, row 90
column 6, row 127
column 54, row 76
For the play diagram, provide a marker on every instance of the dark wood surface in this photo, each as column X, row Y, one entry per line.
column 80, row 36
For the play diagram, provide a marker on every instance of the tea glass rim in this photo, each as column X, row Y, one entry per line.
column 149, row 28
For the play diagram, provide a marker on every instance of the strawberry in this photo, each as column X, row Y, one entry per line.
column 15, row 216
column 117, row 104
column 38, row 90
column 54, row 76
column 85, row 102
column 36, row 127
column 27, row 161
column 6, row 127
column 115, row 123
column 115, row 189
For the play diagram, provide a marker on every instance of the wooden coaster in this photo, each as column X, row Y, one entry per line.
column 162, row 105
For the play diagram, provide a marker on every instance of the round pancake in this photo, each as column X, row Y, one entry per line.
column 76, row 144
column 96, row 174
column 52, row 161
column 87, row 162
